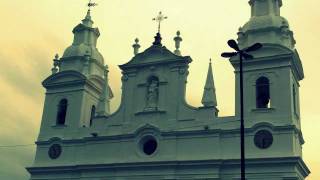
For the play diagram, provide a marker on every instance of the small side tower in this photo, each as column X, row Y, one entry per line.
column 77, row 86
column 209, row 99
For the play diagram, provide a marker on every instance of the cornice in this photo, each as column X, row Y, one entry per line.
column 217, row 163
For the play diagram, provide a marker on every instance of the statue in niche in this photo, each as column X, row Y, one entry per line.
column 152, row 94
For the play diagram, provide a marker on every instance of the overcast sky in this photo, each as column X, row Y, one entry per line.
column 33, row 31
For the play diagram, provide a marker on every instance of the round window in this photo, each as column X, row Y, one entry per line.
column 55, row 151
column 263, row 139
column 148, row 145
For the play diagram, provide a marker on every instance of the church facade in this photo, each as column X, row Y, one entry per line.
column 155, row 134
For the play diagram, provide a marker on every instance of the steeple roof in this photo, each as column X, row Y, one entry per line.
column 209, row 94
column 266, row 25
column 85, row 41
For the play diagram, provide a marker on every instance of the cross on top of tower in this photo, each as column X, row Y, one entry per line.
column 159, row 19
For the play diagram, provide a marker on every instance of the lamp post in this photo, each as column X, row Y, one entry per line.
column 243, row 54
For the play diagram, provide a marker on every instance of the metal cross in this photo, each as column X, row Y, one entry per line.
column 159, row 19
column 91, row 4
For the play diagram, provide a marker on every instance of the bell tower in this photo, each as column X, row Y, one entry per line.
column 271, row 89
column 78, row 88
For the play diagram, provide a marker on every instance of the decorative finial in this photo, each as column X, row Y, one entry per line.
column 56, row 64
column 106, row 71
column 136, row 46
column 210, row 60
column 177, row 40
column 159, row 19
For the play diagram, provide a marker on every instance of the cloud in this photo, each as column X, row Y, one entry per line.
column 19, row 125
column 24, row 65
column 13, row 162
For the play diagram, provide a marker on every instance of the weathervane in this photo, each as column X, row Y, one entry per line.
column 91, row 4
column 159, row 19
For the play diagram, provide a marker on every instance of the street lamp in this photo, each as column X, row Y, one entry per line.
column 243, row 53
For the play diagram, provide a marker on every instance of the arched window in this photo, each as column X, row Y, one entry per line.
column 263, row 92
column 93, row 112
column 62, row 112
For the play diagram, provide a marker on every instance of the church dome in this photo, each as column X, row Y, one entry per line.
column 85, row 41
column 262, row 22
column 82, row 50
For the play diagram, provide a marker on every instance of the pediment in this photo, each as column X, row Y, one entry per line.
column 156, row 54
column 64, row 77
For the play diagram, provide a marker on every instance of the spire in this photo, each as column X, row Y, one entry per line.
column 87, row 21
column 104, row 102
column 209, row 94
